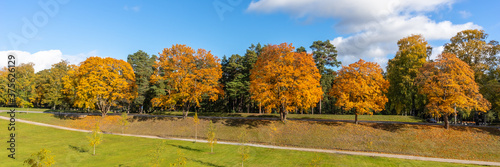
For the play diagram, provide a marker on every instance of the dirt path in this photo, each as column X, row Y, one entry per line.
column 284, row 148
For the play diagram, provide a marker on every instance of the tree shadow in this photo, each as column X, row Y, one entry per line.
column 216, row 114
column 488, row 130
column 263, row 116
column 387, row 127
column 250, row 123
column 79, row 149
column 206, row 163
column 186, row 148
column 142, row 118
column 64, row 116
column 327, row 123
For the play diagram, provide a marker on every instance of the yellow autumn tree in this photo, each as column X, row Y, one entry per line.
column 69, row 84
column 99, row 83
column 362, row 87
column 4, row 88
column 285, row 80
column 448, row 84
column 190, row 76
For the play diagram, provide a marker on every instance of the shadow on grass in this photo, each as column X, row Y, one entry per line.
column 186, row 148
column 79, row 149
column 488, row 130
column 205, row 163
column 68, row 116
column 153, row 118
column 263, row 116
column 215, row 114
column 386, row 127
column 241, row 122
column 327, row 123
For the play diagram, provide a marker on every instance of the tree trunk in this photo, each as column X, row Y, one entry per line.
column 260, row 108
column 356, row 118
column 128, row 108
column 312, row 110
column 94, row 150
column 319, row 106
column 281, row 116
column 446, row 122
column 284, row 115
column 455, row 115
column 196, row 133
column 233, row 105
column 185, row 114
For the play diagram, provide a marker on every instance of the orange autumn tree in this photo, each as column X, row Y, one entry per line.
column 99, row 83
column 448, row 84
column 190, row 76
column 362, row 87
column 285, row 80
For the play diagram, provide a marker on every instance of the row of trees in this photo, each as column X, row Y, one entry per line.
column 269, row 78
column 470, row 47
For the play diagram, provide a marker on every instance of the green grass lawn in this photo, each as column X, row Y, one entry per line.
column 471, row 143
column 24, row 109
column 71, row 149
column 395, row 118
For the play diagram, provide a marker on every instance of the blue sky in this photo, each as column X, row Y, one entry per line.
column 359, row 28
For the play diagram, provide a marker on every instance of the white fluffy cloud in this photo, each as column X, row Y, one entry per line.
column 43, row 59
column 436, row 51
column 133, row 8
column 370, row 28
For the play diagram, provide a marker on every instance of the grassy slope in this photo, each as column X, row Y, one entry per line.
column 132, row 151
column 434, row 141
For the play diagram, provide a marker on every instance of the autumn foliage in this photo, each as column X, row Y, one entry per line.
column 285, row 80
column 360, row 86
column 401, row 73
column 190, row 76
column 448, row 84
column 99, row 83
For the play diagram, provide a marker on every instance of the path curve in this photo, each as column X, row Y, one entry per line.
column 410, row 157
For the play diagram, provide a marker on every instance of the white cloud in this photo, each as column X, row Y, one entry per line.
column 133, row 8
column 43, row 59
column 371, row 29
column 465, row 14
column 436, row 51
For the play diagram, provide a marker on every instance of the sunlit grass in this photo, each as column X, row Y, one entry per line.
column 422, row 140
column 71, row 149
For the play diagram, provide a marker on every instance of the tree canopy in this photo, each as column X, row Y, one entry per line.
column 448, row 83
column 362, row 87
column 100, row 83
column 285, row 80
column 401, row 72
column 191, row 76
column 142, row 64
